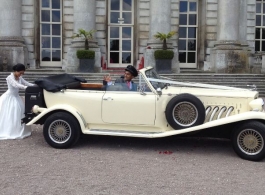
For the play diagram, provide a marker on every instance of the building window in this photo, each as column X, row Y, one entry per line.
column 120, row 33
column 188, row 33
column 260, row 26
column 51, row 32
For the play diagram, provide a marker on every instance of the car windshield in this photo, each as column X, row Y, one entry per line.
column 152, row 74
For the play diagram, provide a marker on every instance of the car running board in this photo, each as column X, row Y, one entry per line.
column 122, row 133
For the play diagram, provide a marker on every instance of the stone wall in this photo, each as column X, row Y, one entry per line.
column 251, row 14
column 101, row 27
column 211, row 29
column 31, row 28
column 68, row 26
column 143, row 19
column 28, row 29
column 207, row 36
column 174, row 20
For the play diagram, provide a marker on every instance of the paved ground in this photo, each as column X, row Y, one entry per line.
column 124, row 166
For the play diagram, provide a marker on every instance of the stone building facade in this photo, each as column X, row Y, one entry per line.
column 218, row 36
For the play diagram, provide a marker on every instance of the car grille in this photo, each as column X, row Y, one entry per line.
column 217, row 112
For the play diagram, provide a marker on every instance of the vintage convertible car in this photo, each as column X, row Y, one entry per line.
column 67, row 106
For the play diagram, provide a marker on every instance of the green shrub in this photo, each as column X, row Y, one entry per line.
column 85, row 54
column 164, row 54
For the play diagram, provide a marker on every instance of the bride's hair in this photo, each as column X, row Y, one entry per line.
column 19, row 67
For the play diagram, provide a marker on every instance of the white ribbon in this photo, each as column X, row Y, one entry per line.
column 197, row 85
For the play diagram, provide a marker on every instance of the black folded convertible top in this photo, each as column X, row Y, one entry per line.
column 57, row 82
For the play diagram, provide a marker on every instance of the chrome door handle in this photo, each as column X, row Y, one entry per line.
column 108, row 99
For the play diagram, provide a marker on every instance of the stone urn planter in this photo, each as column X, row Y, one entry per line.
column 163, row 60
column 86, row 60
column 86, row 65
column 164, row 57
column 163, row 66
column 86, row 57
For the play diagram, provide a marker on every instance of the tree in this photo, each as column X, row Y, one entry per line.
column 88, row 35
column 163, row 37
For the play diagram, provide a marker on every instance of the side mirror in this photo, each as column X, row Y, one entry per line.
column 159, row 91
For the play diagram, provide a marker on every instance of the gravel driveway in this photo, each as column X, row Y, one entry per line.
column 124, row 166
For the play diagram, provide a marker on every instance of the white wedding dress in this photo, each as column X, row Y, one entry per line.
column 12, row 110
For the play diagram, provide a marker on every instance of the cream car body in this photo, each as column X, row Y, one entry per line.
column 142, row 113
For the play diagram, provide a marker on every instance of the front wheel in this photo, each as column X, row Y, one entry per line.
column 248, row 140
column 61, row 130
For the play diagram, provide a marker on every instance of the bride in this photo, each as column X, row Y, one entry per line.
column 12, row 107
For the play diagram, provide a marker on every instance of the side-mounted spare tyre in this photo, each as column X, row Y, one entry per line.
column 185, row 110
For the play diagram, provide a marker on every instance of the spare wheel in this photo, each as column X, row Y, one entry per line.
column 185, row 110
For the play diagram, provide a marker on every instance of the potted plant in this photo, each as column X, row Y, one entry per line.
column 164, row 57
column 86, row 57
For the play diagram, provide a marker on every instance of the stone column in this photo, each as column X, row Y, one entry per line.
column 243, row 34
column 228, row 17
column 160, row 21
column 228, row 56
column 84, row 14
column 12, row 44
column 243, row 22
column 85, row 18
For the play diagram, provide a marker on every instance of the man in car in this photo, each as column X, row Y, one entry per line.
column 125, row 82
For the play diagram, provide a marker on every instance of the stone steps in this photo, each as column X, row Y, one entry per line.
column 234, row 80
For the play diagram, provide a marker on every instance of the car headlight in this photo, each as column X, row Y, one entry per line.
column 257, row 104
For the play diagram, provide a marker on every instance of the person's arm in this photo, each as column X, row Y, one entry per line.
column 10, row 80
column 107, row 80
column 24, row 82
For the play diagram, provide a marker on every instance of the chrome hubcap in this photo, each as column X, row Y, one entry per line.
column 250, row 142
column 185, row 114
column 60, row 131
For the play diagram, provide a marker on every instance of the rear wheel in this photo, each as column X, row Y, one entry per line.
column 248, row 140
column 61, row 130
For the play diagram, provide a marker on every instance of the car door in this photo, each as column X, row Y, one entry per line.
column 129, row 107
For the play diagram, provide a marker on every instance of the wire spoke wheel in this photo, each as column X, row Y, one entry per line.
column 250, row 141
column 185, row 113
column 60, row 131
